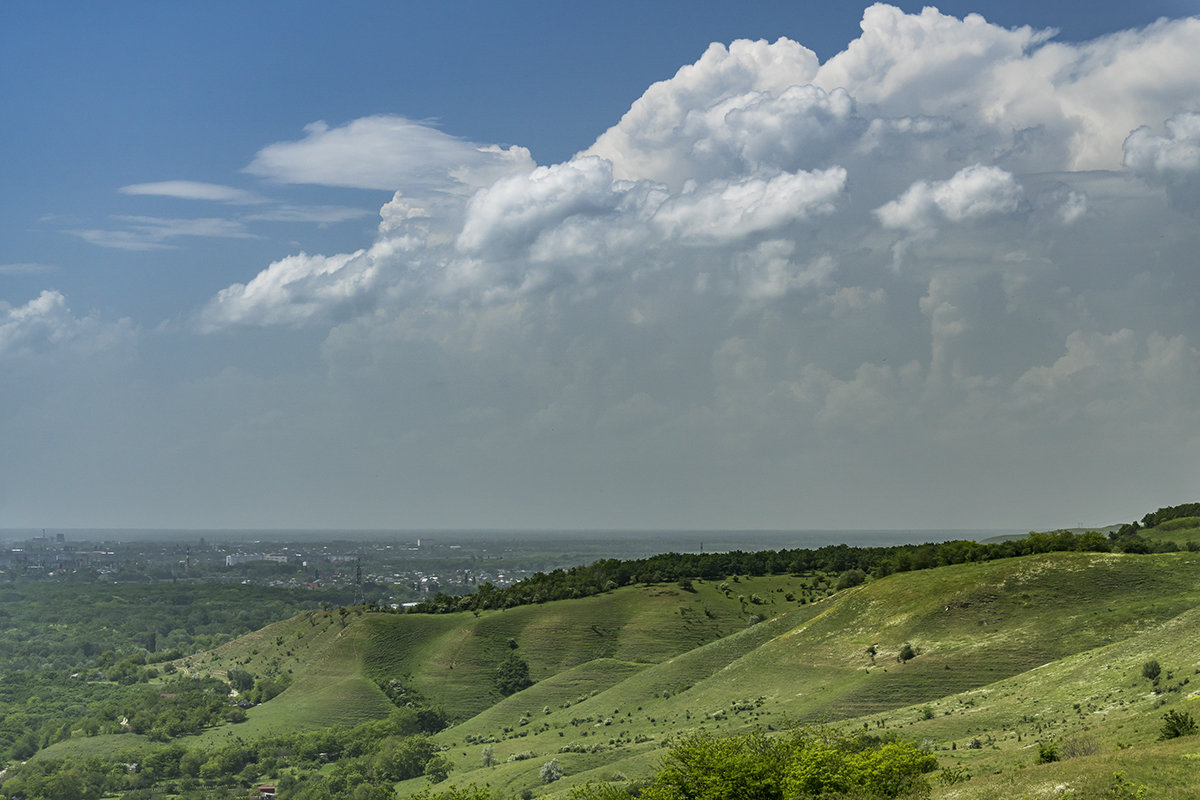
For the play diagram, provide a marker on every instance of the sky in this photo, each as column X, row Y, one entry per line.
column 539, row 265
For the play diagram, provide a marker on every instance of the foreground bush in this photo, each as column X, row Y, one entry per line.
column 809, row 762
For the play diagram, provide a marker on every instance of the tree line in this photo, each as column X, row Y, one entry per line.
column 608, row 574
column 1156, row 518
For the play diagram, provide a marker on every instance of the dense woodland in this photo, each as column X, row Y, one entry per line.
column 81, row 656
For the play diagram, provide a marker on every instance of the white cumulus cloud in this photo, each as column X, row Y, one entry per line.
column 386, row 152
column 1171, row 160
column 712, row 281
column 45, row 325
column 725, row 210
column 971, row 193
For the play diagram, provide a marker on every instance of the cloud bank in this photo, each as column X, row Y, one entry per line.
column 945, row 277
column 918, row 246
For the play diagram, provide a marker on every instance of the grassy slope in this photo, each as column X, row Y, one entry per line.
column 1012, row 624
column 1007, row 651
column 1180, row 531
column 336, row 661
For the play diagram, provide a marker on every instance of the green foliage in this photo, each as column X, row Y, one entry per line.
column 891, row 770
column 269, row 687
column 551, row 771
column 64, row 646
column 438, row 768
column 1047, row 753
column 1176, row 724
column 240, row 679
column 1122, row 789
column 471, row 792
column 1156, row 518
column 851, row 577
column 512, row 675
column 703, row 766
column 907, row 652
column 598, row 791
column 948, row 776
column 403, row 758
column 807, row 762
column 1151, row 669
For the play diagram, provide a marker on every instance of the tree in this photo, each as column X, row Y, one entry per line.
column 907, row 652
column 240, row 679
column 437, row 769
column 551, row 771
column 851, row 577
column 1151, row 669
column 400, row 759
column 512, row 675
column 488, row 758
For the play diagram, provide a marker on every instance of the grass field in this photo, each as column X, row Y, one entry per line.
column 1012, row 654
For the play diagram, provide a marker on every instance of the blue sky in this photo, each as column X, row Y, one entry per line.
column 105, row 96
column 751, row 318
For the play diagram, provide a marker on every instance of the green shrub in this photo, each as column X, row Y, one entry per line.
column 1151, row 670
column 1121, row 789
column 811, row 761
column 948, row 776
column 851, row 577
column 1176, row 724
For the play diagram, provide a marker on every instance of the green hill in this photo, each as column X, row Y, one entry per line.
column 976, row 627
column 337, row 661
column 1000, row 658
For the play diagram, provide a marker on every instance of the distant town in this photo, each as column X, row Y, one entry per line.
column 384, row 572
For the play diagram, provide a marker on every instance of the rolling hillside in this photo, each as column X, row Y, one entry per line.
column 1010, row 654
column 1003, row 661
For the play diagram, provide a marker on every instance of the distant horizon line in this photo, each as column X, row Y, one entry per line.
column 154, row 528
